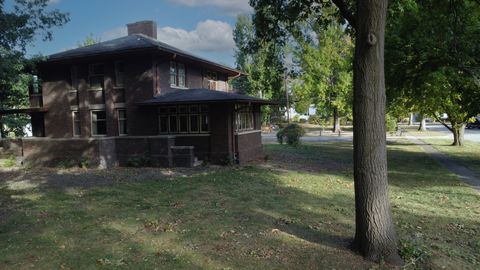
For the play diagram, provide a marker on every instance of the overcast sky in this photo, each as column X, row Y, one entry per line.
column 203, row 27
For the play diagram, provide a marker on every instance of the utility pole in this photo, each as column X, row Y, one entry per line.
column 286, row 96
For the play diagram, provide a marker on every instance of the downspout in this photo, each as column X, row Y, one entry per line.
column 235, row 158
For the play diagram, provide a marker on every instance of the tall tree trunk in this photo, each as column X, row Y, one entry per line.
column 375, row 233
column 458, row 130
column 423, row 124
column 410, row 119
column 336, row 121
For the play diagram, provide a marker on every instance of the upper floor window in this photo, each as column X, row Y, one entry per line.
column 211, row 75
column 35, row 85
column 177, row 74
column 73, row 78
column 95, row 76
column 119, row 74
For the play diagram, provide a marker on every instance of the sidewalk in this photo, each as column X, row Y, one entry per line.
column 463, row 172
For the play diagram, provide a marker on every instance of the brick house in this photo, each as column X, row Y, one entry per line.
column 135, row 97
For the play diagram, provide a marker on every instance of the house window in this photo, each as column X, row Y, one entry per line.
column 122, row 122
column 119, row 74
column 95, row 76
column 76, row 123
column 99, row 123
column 244, row 119
column 183, row 119
column 177, row 75
column 73, row 78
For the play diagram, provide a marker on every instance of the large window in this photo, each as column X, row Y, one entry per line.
column 76, row 123
column 244, row 119
column 122, row 122
column 183, row 119
column 95, row 76
column 119, row 74
column 99, row 123
column 178, row 76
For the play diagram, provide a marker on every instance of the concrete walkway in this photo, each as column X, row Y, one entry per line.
column 464, row 173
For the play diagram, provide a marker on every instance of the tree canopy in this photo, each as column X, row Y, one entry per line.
column 434, row 59
column 20, row 25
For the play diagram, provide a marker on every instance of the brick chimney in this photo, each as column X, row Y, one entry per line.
column 148, row 28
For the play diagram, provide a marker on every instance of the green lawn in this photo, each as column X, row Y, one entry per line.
column 468, row 155
column 296, row 211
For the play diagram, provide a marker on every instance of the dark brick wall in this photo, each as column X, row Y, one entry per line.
column 249, row 146
column 138, row 86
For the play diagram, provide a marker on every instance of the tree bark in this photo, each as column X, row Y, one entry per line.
column 375, row 234
column 336, row 121
column 458, row 131
column 410, row 119
column 423, row 124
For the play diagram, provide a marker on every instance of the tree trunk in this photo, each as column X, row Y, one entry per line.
column 423, row 124
column 458, row 131
column 375, row 233
column 410, row 119
column 336, row 121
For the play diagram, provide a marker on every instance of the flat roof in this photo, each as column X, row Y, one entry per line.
column 202, row 95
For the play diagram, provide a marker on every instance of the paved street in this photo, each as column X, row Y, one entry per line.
column 470, row 134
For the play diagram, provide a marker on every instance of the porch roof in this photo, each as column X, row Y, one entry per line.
column 202, row 95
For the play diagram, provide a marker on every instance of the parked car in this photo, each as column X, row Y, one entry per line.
column 474, row 123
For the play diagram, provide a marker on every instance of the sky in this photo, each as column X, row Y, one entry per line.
column 202, row 27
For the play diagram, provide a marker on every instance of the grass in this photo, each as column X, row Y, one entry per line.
column 294, row 212
column 9, row 162
column 468, row 155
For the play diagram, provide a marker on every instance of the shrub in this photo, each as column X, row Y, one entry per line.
column 315, row 119
column 291, row 134
column 139, row 161
column 391, row 123
column 9, row 162
column 296, row 118
column 303, row 121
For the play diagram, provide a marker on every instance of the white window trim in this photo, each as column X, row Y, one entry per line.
column 73, row 123
column 122, row 119
column 91, row 123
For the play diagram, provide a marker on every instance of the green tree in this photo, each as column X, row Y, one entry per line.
column 19, row 26
column 432, row 47
column 89, row 40
column 325, row 72
column 375, row 235
column 264, row 66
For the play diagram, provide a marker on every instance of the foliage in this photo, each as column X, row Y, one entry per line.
column 10, row 161
column 290, row 134
column 137, row 161
column 19, row 25
column 89, row 40
column 391, row 123
column 434, row 58
column 315, row 119
column 325, row 76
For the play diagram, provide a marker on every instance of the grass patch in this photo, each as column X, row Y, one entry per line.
column 295, row 212
column 467, row 155
column 9, row 162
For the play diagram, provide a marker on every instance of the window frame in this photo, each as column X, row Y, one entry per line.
column 96, row 121
column 244, row 118
column 76, row 121
column 175, row 73
column 91, row 75
column 120, row 120
column 174, row 113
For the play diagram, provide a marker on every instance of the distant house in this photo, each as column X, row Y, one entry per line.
column 137, row 97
